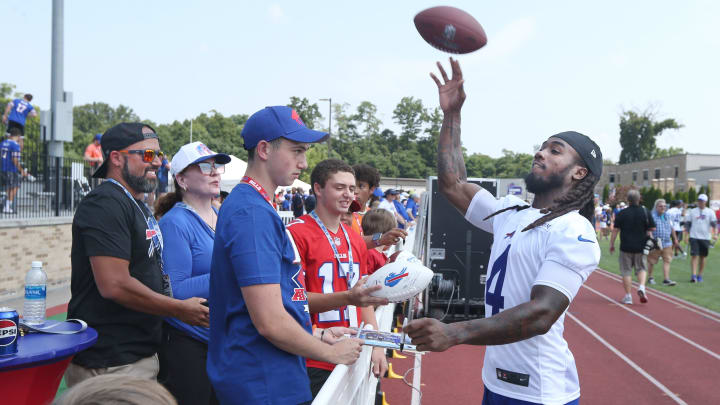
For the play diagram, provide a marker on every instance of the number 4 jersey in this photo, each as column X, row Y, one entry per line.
column 322, row 273
column 559, row 254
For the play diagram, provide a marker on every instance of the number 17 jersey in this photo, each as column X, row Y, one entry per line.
column 324, row 275
column 559, row 254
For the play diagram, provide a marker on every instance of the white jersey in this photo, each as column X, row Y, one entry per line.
column 559, row 254
column 389, row 206
column 674, row 214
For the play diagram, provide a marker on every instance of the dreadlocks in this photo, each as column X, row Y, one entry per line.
column 579, row 197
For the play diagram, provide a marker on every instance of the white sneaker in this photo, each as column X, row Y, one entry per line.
column 627, row 300
column 642, row 295
column 8, row 210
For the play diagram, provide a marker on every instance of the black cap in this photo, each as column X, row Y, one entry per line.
column 391, row 191
column 586, row 148
column 120, row 137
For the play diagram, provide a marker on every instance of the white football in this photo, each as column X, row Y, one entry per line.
column 400, row 280
column 406, row 256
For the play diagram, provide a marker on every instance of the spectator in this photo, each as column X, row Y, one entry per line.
column 286, row 202
column 218, row 200
column 17, row 112
column 310, row 202
column 93, row 155
column 665, row 235
column 701, row 221
column 367, row 179
column 163, row 179
column 412, row 205
column 335, row 257
column 297, row 203
column 118, row 285
column 402, row 212
column 389, row 205
column 635, row 225
column 12, row 169
column 675, row 215
column 377, row 222
column 188, row 227
column 605, row 222
column 116, row 390
column 260, row 329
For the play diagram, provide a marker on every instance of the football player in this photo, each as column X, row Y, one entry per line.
column 540, row 257
column 334, row 258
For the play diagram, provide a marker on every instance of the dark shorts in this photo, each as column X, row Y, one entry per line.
column 13, row 124
column 699, row 247
column 679, row 235
column 317, row 376
column 11, row 179
column 491, row 398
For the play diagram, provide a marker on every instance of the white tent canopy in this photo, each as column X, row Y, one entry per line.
column 235, row 170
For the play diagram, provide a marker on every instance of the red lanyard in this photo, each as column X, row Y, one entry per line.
column 249, row 180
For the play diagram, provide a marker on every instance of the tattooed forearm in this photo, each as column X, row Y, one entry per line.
column 451, row 165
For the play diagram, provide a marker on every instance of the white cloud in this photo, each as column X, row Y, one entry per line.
column 276, row 13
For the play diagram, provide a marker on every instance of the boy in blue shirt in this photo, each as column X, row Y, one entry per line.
column 260, row 329
column 12, row 170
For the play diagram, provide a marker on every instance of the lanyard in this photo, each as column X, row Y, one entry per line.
column 153, row 231
column 258, row 187
column 332, row 245
column 191, row 209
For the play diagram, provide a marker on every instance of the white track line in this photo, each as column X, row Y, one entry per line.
column 629, row 362
column 704, row 312
column 666, row 329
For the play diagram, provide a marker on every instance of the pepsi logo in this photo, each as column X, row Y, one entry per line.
column 8, row 332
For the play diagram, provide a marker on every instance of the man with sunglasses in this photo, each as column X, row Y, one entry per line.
column 118, row 285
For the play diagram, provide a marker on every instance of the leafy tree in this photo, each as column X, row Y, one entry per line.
column 366, row 118
column 410, row 115
column 479, row 165
column 606, row 193
column 660, row 152
column 513, row 164
column 668, row 197
column 638, row 133
column 692, row 196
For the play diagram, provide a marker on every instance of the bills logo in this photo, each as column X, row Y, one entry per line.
column 150, row 233
column 8, row 332
column 294, row 115
column 393, row 279
column 203, row 150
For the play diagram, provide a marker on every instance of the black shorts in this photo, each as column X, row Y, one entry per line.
column 699, row 247
column 679, row 235
column 11, row 180
column 13, row 124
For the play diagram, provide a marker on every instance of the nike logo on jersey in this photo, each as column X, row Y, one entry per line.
column 581, row 239
column 392, row 279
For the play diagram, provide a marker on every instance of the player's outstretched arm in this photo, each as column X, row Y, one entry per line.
column 524, row 321
column 452, row 176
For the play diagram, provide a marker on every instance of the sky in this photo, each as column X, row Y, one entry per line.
column 549, row 66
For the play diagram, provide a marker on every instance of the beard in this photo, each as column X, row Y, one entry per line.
column 140, row 184
column 538, row 185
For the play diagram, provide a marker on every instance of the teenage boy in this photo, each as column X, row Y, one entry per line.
column 335, row 262
column 367, row 179
column 260, row 330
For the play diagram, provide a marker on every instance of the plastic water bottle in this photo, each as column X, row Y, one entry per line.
column 35, row 295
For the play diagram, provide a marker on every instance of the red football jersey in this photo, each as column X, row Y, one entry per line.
column 375, row 260
column 322, row 273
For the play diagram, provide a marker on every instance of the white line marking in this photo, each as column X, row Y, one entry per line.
column 666, row 329
column 704, row 312
column 628, row 361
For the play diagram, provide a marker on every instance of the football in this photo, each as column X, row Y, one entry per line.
column 450, row 29
column 400, row 280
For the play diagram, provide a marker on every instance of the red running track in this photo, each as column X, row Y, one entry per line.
column 664, row 352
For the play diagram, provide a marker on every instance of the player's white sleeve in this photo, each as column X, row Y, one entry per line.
column 482, row 205
column 572, row 254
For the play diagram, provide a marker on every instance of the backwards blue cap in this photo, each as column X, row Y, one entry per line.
column 271, row 123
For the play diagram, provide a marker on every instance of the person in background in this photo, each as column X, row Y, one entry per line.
column 635, row 224
column 11, row 168
column 297, row 203
column 286, row 202
column 701, row 221
column 218, row 200
column 412, row 205
column 310, row 202
column 675, row 215
column 16, row 113
column 163, row 179
column 665, row 234
column 377, row 221
column 188, row 226
column 389, row 204
column 94, row 156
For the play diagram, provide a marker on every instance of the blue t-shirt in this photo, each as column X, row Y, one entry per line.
column 187, row 254
column 20, row 111
column 162, row 173
column 286, row 203
column 412, row 206
column 9, row 149
column 253, row 247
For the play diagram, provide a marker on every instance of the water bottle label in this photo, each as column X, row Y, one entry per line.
column 35, row 292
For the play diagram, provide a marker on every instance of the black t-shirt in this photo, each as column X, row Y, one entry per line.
column 108, row 223
column 310, row 203
column 297, row 205
column 633, row 222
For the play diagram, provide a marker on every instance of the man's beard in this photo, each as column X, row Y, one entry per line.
column 537, row 185
column 140, row 184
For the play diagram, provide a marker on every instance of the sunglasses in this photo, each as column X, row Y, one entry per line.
column 148, row 155
column 207, row 168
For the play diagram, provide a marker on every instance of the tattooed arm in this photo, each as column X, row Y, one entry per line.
column 524, row 321
column 452, row 176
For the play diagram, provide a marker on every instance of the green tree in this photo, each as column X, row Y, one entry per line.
column 410, row 115
column 90, row 119
column 479, row 165
column 366, row 118
column 606, row 193
column 638, row 133
column 512, row 164
column 660, row 152
column 309, row 112
column 692, row 196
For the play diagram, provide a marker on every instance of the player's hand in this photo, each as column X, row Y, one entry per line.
column 452, row 93
column 429, row 334
column 612, row 249
column 360, row 296
column 392, row 237
column 193, row 312
column 346, row 351
column 334, row 334
column 379, row 362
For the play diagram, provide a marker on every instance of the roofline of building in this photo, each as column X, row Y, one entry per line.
column 667, row 157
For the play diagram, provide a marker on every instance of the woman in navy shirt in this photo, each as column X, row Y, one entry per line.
column 188, row 227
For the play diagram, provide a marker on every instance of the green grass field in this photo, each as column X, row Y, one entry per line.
column 704, row 294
